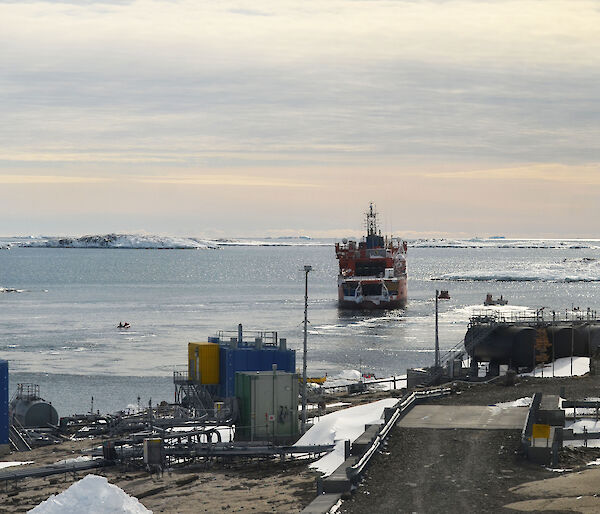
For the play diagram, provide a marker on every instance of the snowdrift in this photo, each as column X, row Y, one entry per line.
column 339, row 426
column 92, row 494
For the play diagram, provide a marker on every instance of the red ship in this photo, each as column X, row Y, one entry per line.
column 372, row 271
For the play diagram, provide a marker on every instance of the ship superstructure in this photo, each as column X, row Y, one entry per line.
column 372, row 271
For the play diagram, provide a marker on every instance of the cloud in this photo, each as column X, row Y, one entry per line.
column 226, row 180
column 385, row 98
column 48, row 179
column 548, row 172
column 508, row 81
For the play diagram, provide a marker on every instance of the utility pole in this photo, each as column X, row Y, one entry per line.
column 307, row 270
column 437, row 340
column 572, row 343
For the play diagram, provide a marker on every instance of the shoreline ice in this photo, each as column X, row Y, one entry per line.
column 155, row 242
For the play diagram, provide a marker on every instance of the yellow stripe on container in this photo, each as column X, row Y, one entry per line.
column 203, row 362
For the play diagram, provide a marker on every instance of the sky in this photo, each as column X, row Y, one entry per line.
column 457, row 118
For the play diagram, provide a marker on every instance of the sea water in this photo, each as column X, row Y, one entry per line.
column 60, row 309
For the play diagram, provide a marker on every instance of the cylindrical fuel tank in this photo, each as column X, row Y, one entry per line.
column 523, row 345
column 514, row 345
column 566, row 340
column 594, row 337
column 505, row 345
column 33, row 413
column 495, row 347
column 560, row 338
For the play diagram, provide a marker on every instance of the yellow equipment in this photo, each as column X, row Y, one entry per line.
column 203, row 363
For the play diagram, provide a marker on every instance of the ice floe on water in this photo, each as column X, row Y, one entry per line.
column 584, row 269
column 11, row 290
column 501, row 242
column 91, row 494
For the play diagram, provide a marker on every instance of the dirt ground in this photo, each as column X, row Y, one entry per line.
column 488, row 394
column 251, row 487
column 423, row 471
column 431, row 471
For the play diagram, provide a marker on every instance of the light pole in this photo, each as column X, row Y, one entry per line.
column 307, row 270
column 437, row 340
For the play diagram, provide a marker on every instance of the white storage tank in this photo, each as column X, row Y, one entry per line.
column 28, row 409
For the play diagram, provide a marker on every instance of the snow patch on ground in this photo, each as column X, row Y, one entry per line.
column 589, row 424
column 91, row 494
column 15, row 463
column 81, row 458
column 579, row 443
column 562, row 368
column 340, row 426
column 521, row 402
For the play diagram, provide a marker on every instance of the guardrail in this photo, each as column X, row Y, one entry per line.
column 401, row 408
column 530, row 420
column 548, row 454
column 330, row 489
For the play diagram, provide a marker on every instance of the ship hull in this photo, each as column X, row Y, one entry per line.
column 383, row 294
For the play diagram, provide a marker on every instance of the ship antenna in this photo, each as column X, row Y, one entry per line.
column 371, row 220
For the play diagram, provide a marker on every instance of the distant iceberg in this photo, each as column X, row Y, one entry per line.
column 140, row 241
column 267, row 241
column 502, row 242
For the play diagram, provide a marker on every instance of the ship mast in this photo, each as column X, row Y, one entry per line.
column 371, row 220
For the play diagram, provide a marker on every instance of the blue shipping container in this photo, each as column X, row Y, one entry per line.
column 233, row 360
column 3, row 402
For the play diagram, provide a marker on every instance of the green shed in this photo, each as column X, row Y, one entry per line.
column 268, row 403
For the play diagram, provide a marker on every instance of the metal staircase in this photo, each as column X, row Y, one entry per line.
column 17, row 441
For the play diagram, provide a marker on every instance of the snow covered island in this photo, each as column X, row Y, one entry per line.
column 154, row 242
column 138, row 241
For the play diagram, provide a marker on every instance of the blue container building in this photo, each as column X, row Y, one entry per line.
column 233, row 360
column 256, row 351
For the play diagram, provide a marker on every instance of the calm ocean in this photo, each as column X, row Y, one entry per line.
column 59, row 328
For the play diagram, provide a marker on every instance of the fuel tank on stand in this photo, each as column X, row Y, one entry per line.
column 33, row 413
column 29, row 410
column 505, row 345
column 514, row 345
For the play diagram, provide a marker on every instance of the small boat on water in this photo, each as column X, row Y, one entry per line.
column 122, row 325
column 490, row 300
column 444, row 295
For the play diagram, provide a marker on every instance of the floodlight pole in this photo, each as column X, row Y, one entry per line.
column 437, row 340
column 307, row 270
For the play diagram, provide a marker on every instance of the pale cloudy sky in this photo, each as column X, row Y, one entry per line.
column 283, row 117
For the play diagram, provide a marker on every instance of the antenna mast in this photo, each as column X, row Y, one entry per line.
column 371, row 220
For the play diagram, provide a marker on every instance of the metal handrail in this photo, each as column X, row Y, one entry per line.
column 401, row 406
